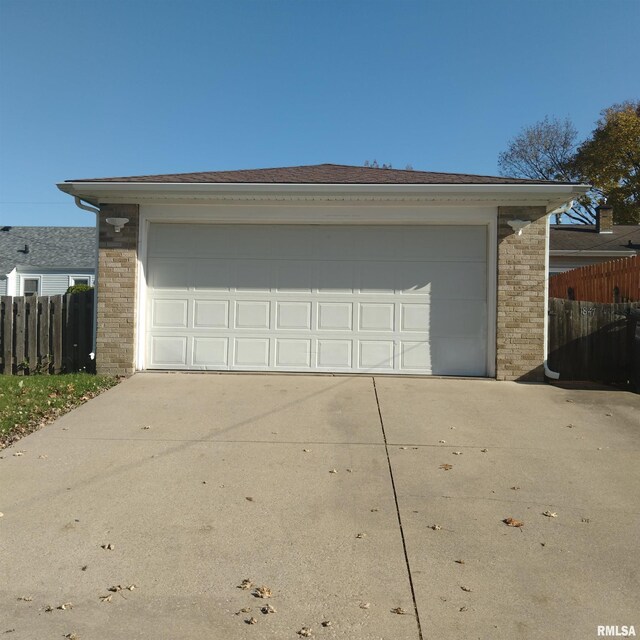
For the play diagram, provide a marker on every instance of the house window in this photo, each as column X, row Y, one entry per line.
column 30, row 286
column 571, row 294
column 75, row 281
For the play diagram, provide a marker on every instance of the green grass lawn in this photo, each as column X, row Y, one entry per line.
column 29, row 402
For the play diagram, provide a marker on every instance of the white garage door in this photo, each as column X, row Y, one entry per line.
column 393, row 299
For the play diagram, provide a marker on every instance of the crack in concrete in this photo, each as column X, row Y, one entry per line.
column 395, row 497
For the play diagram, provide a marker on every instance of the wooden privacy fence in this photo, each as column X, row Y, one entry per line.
column 46, row 334
column 613, row 281
column 591, row 340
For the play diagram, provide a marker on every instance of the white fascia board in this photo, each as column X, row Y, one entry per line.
column 591, row 254
column 550, row 196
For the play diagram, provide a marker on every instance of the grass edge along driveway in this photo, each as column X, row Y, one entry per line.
column 28, row 403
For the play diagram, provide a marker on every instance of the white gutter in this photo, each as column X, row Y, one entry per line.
column 549, row 195
column 553, row 375
column 84, row 206
column 591, row 253
column 91, row 209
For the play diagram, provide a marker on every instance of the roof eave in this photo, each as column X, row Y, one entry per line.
column 592, row 253
column 97, row 193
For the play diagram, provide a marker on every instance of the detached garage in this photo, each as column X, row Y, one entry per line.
column 324, row 268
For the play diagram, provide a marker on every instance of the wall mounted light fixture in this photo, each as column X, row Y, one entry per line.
column 117, row 223
column 518, row 225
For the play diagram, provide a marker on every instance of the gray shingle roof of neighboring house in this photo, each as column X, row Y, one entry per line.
column 47, row 247
column 583, row 237
column 322, row 174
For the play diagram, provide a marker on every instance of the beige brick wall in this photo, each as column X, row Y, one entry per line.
column 520, row 296
column 117, row 273
column 521, row 285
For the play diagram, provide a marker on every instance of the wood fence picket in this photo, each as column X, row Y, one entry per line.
column 46, row 334
column 609, row 282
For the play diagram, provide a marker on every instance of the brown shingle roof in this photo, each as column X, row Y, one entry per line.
column 322, row 174
column 583, row 237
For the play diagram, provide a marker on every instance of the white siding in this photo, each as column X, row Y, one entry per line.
column 52, row 283
column 3, row 287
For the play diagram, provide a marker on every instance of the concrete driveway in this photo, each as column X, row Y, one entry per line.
column 331, row 492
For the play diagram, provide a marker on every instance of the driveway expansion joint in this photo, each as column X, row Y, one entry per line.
column 395, row 498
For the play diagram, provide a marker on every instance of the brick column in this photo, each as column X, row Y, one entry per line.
column 521, row 285
column 117, row 273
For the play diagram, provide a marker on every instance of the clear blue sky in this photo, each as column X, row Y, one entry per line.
column 92, row 88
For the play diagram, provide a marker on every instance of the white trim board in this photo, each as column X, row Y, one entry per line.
column 317, row 214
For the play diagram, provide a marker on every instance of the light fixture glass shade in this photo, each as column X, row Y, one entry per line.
column 117, row 223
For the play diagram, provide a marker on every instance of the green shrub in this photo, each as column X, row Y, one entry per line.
column 79, row 288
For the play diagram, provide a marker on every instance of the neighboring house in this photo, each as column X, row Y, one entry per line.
column 578, row 245
column 45, row 260
column 324, row 268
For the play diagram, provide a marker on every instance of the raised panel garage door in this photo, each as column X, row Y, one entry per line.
column 393, row 299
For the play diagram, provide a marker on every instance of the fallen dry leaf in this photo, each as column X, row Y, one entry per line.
column 457, row 453
column 446, row 467
column 246, row 584
column 306, row 450
column 515, row 488
column 326, row 623
column 305, row 632
column 467, row 589
column 65, row 606
column 349, row 470
column 243, row 610
column 107, row 547
column 106, row 598
column 512, row 522
column 333, row 471
column 147, row 427
column 26, row 598
column 550, row 514
column 249, row 499
column 268, row 609
column 115, row 588
column 484, row 450
column 251, row 621
column 43, row 456
column 442, row 441
column 131, row 587
column 374, row 510
column 402, row 447
column 585, row 520
column 361, row 535
column 463, row 609
column 48, row 608
column 459, row 561
column 435, row 527
column 262, row 592
column 84, row 567
column 365, row 605
column 72, row 636
column 399, row 610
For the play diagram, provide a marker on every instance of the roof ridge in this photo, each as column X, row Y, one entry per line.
column 324, row 173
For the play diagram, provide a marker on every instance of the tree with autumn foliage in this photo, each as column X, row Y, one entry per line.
column 609, row 160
